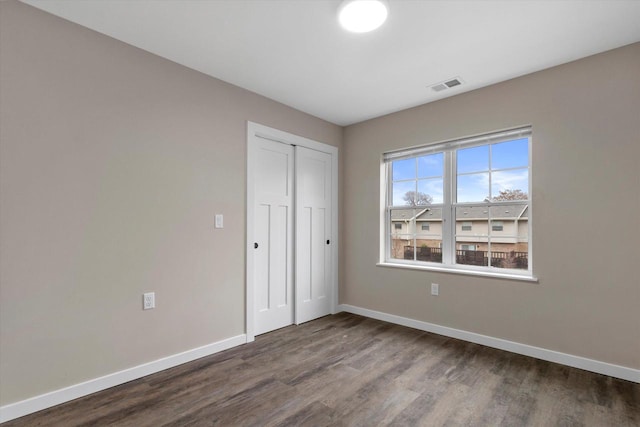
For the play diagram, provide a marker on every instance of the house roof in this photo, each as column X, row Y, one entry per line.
column 497, row 212
column 507, row 212
column 409, row 214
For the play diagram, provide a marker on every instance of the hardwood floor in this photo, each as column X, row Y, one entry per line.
column 347, row 370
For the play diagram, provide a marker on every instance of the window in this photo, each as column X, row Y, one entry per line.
column 398, row 226
column 466, row 204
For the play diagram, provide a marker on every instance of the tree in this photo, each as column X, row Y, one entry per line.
column 509, row 195
column 417, row 198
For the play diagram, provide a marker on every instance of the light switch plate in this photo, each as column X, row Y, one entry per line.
column 219, row 221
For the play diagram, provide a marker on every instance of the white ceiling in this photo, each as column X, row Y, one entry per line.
column 293, row 51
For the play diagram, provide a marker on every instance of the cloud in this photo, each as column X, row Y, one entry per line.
column 510, row 180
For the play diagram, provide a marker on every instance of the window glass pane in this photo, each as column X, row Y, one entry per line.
column 431, row 190
column 508, row 256
column 502, row 213
column 403, row 230
column 473, row 188
column 403, row 217
column 472, row 235
column 431, row 165
column 510, row 185
column 475, row 219
column 404, row 193
column 509, row 237
column 429, row 235
column 402, row 246
column 519, row 259
column 404, row 169
column 474, row 159
column 510, row 154
column 428, row 250
column 522, row 244
column 515, row 246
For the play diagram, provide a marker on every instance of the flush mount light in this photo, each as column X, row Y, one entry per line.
column 361, row 16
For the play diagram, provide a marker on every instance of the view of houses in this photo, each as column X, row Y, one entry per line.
column 495, row 235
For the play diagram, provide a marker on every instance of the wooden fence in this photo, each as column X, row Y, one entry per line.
column 512, row 259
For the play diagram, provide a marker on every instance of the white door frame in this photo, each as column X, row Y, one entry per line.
column 254, row 131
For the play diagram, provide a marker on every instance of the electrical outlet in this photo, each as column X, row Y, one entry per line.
column 148, row 300
column 435, row 289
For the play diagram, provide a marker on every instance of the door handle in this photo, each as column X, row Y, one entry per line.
column 255, row 245
column 328, row 241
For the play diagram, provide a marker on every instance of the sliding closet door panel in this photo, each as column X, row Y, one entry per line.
column 273, row 234
column 313, row 234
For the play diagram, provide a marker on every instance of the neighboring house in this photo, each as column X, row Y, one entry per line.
column 509, row 228
column 506, row 227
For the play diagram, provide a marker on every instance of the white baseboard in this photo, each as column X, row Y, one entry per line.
column 47, row 400
column 604, row 368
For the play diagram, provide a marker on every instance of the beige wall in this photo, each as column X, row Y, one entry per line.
column 113, row 164
column 586, row 166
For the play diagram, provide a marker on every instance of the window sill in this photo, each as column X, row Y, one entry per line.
column 453, row 270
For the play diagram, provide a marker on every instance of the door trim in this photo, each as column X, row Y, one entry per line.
column 254, row 131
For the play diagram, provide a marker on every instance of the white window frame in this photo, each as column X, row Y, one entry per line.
column 450, row 148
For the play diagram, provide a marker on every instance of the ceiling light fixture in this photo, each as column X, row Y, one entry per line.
column 361, row 16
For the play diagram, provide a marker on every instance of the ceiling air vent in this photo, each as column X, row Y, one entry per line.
column 452, row 83
column 439, row 87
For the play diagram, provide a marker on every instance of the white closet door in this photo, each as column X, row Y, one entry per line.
column 313, row 234
column 273, row 235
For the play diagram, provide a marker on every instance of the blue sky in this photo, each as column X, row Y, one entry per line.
column 425, row 173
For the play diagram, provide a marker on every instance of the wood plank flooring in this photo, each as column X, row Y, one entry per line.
column 347, row 370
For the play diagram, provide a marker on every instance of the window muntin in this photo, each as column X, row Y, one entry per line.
column 479, row 190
